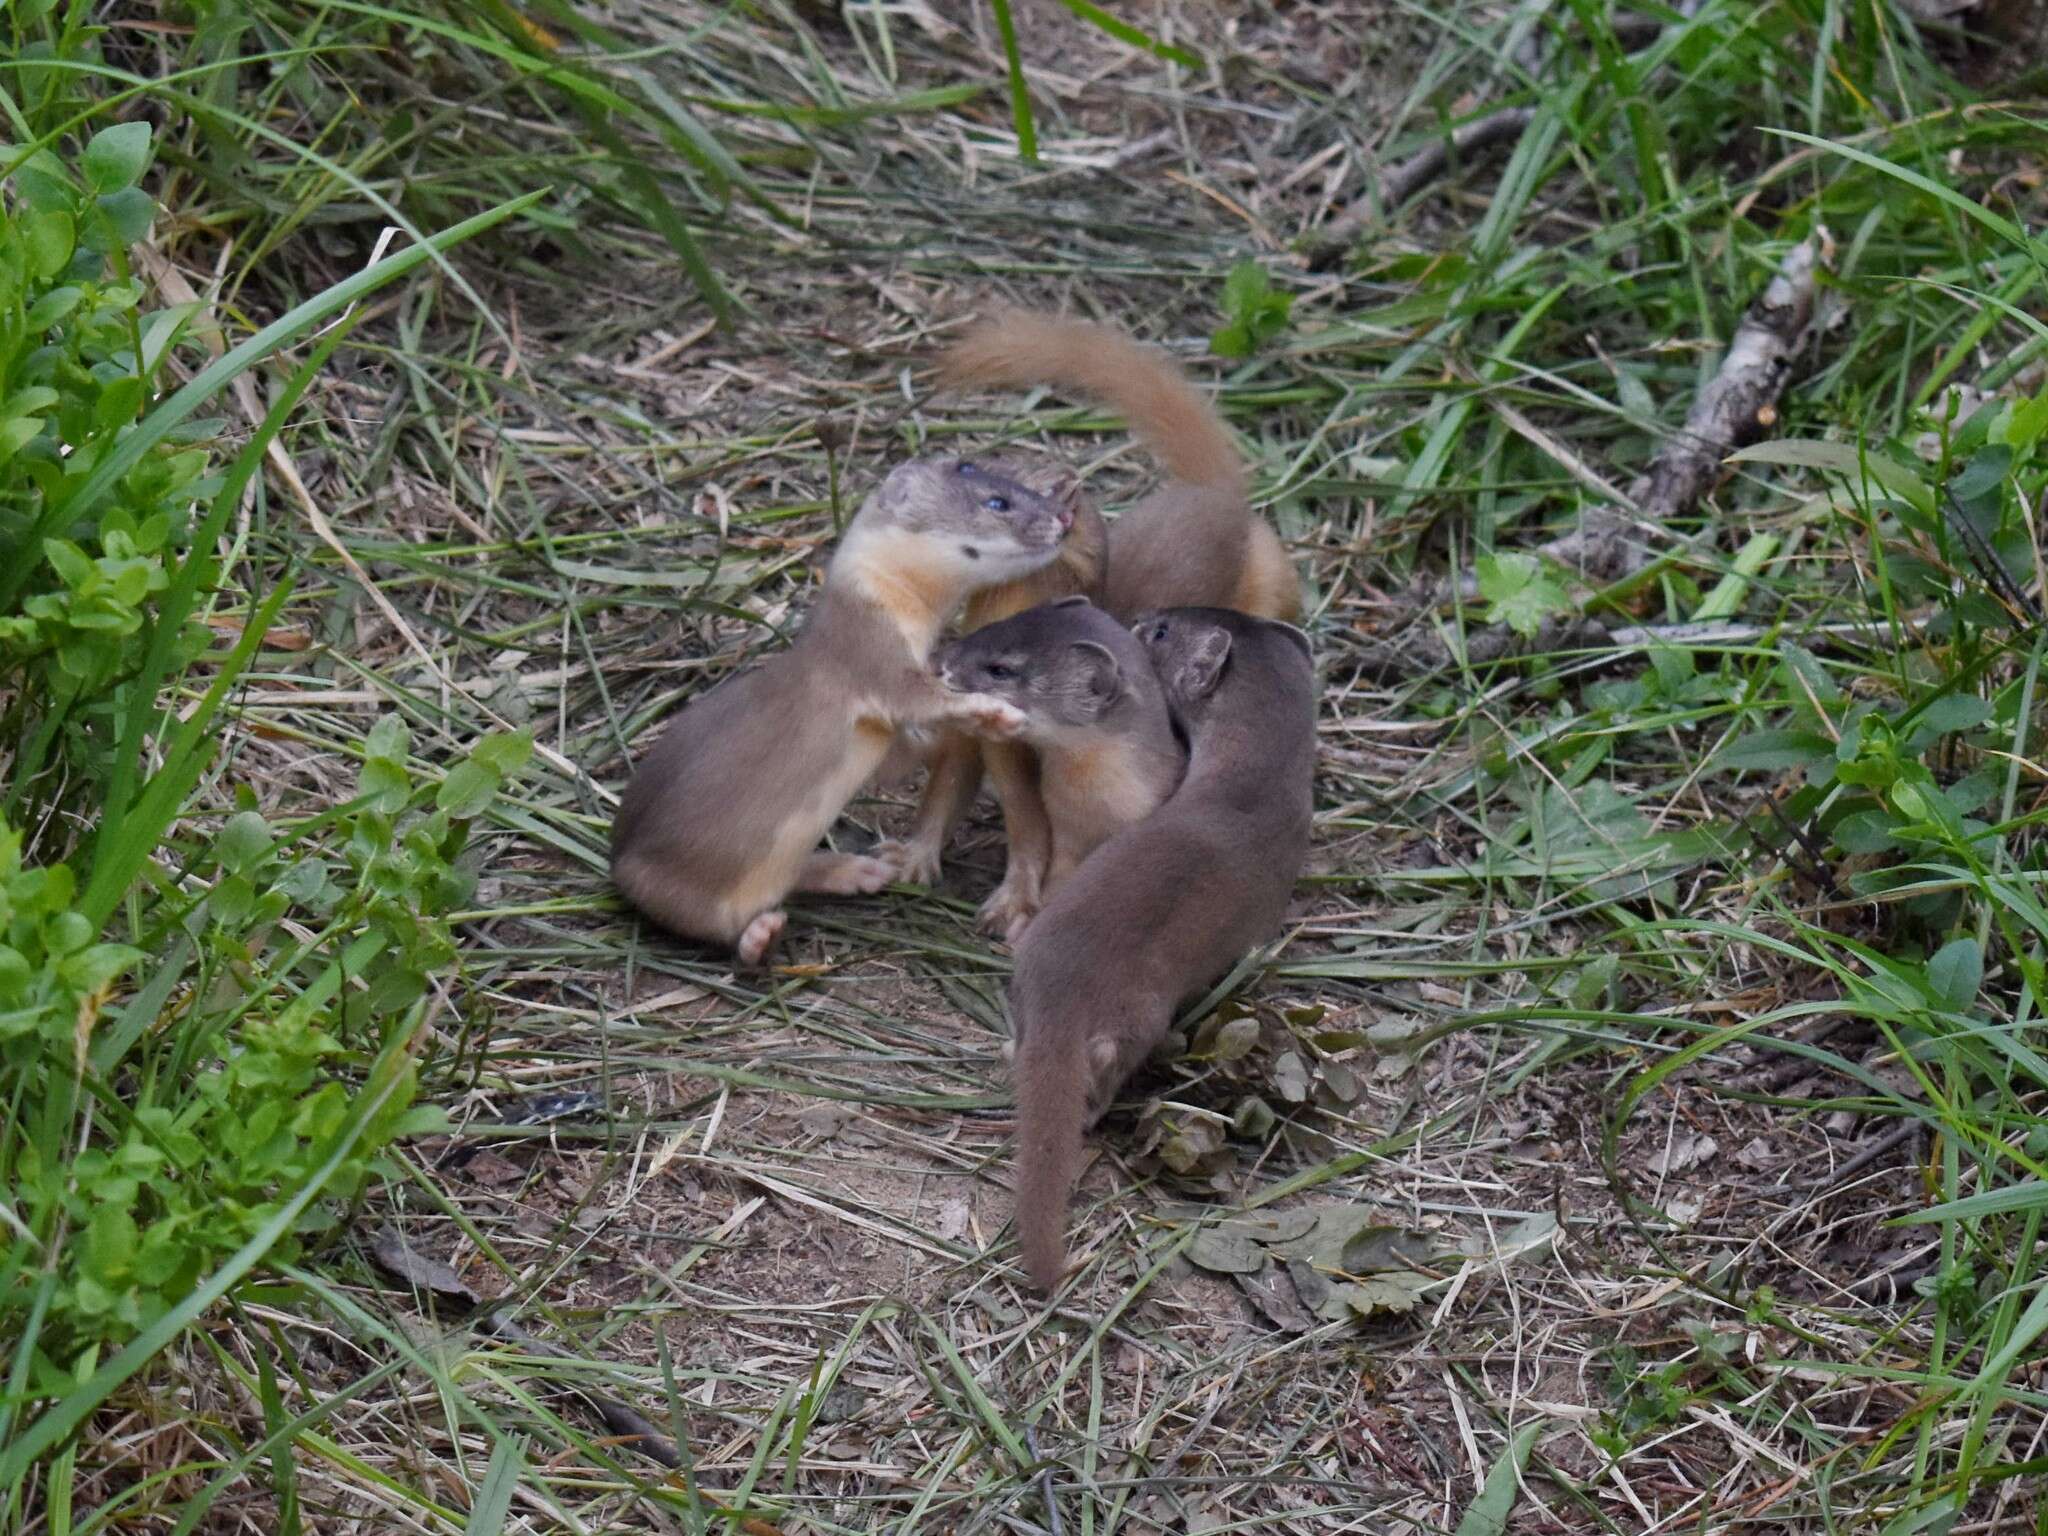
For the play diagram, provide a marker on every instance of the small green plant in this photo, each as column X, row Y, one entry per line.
column 1254, row 311
column 185, row 1028
column 206, row 1133
column 79, row 362
column 1645, row 1398
column 1522, row 594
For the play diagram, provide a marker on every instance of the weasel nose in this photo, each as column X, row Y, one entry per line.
column 1065, row 517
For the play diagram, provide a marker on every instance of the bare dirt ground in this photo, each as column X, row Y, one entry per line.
column 773, row 1211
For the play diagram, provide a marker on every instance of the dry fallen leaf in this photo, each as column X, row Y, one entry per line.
column 1686, row 1150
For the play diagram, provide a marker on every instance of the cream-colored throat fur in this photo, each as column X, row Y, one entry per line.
column 895, row 571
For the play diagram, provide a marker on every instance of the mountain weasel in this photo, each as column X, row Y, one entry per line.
column 722, row 818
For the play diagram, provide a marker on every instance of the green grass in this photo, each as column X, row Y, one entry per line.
column 1684, row 1151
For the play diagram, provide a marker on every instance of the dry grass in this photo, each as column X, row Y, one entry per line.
column 771, row 1212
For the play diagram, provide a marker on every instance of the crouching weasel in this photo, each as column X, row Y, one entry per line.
column 1102, row 749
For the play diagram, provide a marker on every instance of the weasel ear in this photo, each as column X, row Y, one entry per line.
column 1199, row 670
column 1297, row 634
column 1101, row 679
column 1078, row 600
column 1058, row 484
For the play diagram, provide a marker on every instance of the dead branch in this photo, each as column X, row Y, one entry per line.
column 1739, row 405
column 1419, row 170
column 1328, row 245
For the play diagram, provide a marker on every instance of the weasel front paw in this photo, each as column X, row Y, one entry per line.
column 1009, row 911
column 991, row 717
column 914, row 863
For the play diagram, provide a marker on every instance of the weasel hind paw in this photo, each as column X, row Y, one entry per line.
column 759, row 936
column 1008, row 912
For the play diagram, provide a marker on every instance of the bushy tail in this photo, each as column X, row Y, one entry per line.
column 1051, row 1109
column 1020, row 348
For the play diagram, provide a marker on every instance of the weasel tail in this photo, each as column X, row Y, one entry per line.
column 1052, row 1106
column 1194, row 541
column 1020, row 349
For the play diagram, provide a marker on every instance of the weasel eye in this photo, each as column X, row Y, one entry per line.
column 997, row 503
column 1158, row 632
column 1001, row 672
column 964, row 467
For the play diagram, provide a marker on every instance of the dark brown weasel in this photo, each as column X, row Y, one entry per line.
column 1194, row 541
column 722, row 818
column 1095, row 723
column 1167, row 905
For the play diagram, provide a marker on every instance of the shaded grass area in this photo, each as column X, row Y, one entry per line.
column 1608, row 1074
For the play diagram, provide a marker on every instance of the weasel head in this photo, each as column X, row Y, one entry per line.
column 977, row 522
column 1191, row 650
column 1066, row 665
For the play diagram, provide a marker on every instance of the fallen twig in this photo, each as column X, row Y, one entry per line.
column 1872, row 1152
column 1739, row 404
column 1326, row 247
column 1045, row 1493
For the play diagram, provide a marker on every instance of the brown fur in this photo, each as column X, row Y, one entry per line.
column 1194, row 542
column 956, row 760
column 1094, row 718
column 1165, row 906
column 722, row 818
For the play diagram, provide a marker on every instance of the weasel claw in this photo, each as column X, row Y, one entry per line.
column 1007, row 912
column 992, row 717
column 913, row 863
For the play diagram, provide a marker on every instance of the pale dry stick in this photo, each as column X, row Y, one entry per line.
column 1737, row 406
column 805, row 1198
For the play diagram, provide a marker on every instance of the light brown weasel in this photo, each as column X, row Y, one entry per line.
column 1193, row 542
column 956, row 760
column 1167, row 905
column 722, row 818
column 1095, row 721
